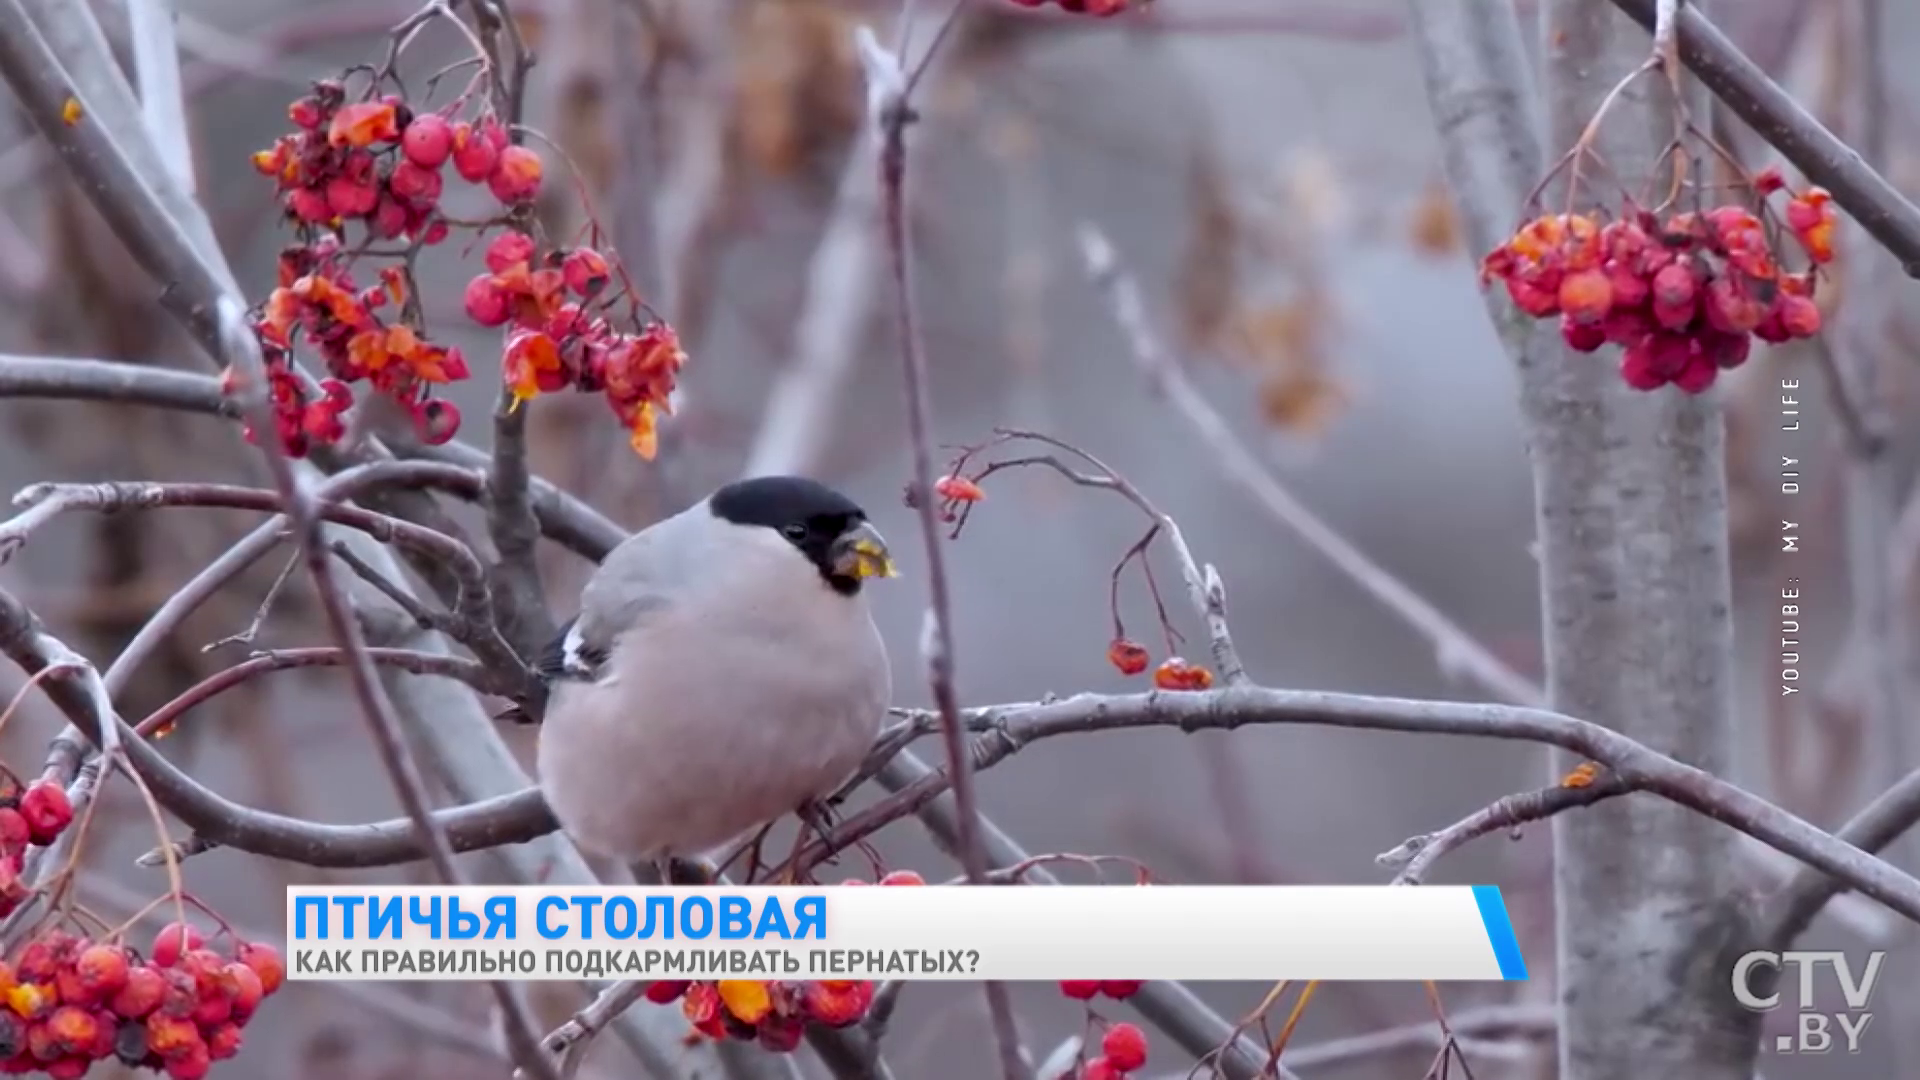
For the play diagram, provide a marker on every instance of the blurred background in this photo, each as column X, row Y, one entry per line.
column 1267, row 172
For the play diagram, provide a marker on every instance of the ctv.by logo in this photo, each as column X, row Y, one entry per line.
column 1813, row 1029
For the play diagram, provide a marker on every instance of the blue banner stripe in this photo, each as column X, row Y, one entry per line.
column 1506, row 947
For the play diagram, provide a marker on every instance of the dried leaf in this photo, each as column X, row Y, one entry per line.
column 1209, row 272
column 1436, row 225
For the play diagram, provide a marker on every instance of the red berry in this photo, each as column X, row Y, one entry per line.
column 516, row 176
column 436, row 421
column 1768, row 180
column 47, row 810
column 508, row 249
column 224, row 1042
column 141, row 995
column 585, row 271
column 1128, row 657
column 1102, row 1069
column 266, row 962
column 102, row 970
column 780, row 1034
column 1637, row 366
column 1582, row 336
column 666, row 991
column 68, row 1068
column 73, row 1028
column 174, row 941
column 415, row 184
column 244, row 990
column 1727, row 351
column 348, row 197
column 487, row 303
column 191, row 1064
column 14, row 833
column 1125, row 1047
column 1697, row 376
column 1675, row 296
column 903, row 877
column 1799, row 317
column 474, row 154
column 1080, row 989
column 1121, row 989
column 428, row 141
column 310, row 205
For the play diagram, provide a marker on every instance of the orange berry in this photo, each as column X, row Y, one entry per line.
column 958, row 489
column 102, row 970
column 1175, row 673
column 1586, row 295
column 516, row 176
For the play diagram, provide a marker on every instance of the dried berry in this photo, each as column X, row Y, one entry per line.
column 1128, row 657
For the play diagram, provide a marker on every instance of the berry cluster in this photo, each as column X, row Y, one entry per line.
column 1684, row 294
column 319, row 302
column 378, row 163
column 774, row 1014
column 1123, row 1049
column 1099, row 9
column 1130, row 657
column 70, row 1002
column 559, row 334
column 34, row 817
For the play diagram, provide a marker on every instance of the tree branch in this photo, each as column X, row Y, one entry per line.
column 1744, row 88
column 888, row 89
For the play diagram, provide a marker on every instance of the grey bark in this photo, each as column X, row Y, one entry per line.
column 1631, row 504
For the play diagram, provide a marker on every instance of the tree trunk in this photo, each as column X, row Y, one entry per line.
column 1631, row 511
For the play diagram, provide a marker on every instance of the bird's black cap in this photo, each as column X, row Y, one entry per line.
column 808, row 513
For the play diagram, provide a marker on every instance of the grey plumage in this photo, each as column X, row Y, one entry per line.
column 720, row 674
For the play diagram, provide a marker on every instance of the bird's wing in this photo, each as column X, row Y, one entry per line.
column 634, row 583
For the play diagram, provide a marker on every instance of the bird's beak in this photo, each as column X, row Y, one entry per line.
column 861, row 552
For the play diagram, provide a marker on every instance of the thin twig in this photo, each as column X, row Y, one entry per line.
column 1455, row 650
column 1416, row 856
column 888, row 87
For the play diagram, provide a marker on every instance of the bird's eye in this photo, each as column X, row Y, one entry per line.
column 794, row 532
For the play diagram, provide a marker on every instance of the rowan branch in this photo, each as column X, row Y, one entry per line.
column 1743, row 87
column 889, row 90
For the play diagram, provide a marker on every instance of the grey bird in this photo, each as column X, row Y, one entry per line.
column 724, row 670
